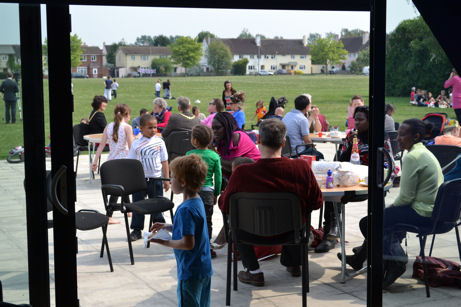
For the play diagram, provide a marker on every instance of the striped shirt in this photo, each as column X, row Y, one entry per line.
column 151, row 152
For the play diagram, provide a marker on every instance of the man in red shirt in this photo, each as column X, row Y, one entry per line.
column 272, row 173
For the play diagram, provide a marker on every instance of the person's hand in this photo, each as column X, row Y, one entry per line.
column 94, row 166
column 157, row 226
column 315, row 112
column 166, row 185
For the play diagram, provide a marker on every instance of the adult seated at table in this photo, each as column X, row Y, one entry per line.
column 298, row 127
column 182, row 121
column 215, row 106
column 278, row 113
column 97, row 121
column 161, row 113
column 356, row 101
column 317, row 121
column 231, row 142
column 419, row 183
column 272, row 173
column 450, row 137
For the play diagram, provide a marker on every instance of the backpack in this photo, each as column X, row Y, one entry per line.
column 440, row 272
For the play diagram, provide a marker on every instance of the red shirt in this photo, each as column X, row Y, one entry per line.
column 275, row 175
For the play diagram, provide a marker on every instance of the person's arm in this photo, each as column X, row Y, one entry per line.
column 166, row 118
column 304, row 126
column 101, row 146
column 168, row 128
column 187, row 242
column 166, row 174
column 217, row 177
column 129, row 135
column 450, row 81
column 408, row 182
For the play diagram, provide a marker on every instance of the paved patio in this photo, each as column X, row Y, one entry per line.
column 152, row 280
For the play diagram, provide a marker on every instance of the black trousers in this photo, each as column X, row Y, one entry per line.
column 458, row 114
column 208, row 200
column 291, row 256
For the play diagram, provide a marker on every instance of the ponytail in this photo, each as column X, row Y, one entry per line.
column 120, row 111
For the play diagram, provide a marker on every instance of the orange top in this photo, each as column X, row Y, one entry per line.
column 260, row 112
column 448, row 140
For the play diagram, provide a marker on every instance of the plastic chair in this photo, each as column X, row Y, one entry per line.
column 445, row 154
column 178, row 143
column 438, row 120
column 445, row 217
column 78, row 146
column 123, row 177
column 265, row 219
column 286, row 150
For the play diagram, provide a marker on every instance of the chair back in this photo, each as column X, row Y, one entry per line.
column 178, row 143
column 445, row 154
column 286, row 150
column 392, row 135
column 438, row 121
column 266, row 214
column 78, row 135
column 128, row 173
column 447, row 206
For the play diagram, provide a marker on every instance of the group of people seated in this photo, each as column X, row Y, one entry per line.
column 423, row 98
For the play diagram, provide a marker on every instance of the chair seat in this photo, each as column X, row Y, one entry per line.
column 90, row 220
column 151, row 205
column 282, row 239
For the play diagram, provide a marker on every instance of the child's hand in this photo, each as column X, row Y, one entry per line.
column 157, row 226
column 94, row 166
column 215, row 200
column 166, row 185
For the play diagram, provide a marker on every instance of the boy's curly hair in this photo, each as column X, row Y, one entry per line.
column 191, row 170
column 202, row 134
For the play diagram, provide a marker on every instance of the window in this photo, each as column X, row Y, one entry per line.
column 133, row 57
column 82, row 70
column 273, row 67
column 273, row 56
column 303, row 56
column 83, row 58
column 252, row 56
column 95, row 72
column 262, row 67
column 251, row 67
column 93, row 58
column 144, row 58
column 240, row 56
column 302, row 67
column 292, row 57
column 266, row 56
column 163, row 56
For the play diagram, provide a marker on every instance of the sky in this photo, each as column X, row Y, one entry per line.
column 97, row 25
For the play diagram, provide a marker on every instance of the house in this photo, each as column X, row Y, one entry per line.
column 92, row 63
column 354, row 45
column 5, row 52
column 265, row 54
column 130, row 59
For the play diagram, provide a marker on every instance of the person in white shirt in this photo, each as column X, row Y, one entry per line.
column 158, row 87
column 114, row 88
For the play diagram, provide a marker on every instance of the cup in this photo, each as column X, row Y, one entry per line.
column 320, row 134
column 308, row 159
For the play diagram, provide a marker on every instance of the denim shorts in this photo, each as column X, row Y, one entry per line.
column 194, row 292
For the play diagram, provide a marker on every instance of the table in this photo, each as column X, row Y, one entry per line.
column 92, row 139
column 326, row 138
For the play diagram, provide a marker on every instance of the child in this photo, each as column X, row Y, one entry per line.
column 196, row 112
column 189, row 233
column 114, row 88
column 412, row 95
column 135, row 122
column 201, row 138
column 442, row 100
column 151, row 151
column 119, row 135
column 260, row 111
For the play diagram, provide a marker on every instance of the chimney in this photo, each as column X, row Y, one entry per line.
column 258, row 40
column 304, row 40
column 208, row 39
column 365, row 37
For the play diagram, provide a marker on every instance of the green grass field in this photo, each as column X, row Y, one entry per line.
column 331, row 93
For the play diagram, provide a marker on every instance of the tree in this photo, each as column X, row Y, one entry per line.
column 312, row 38
column 163, row 66
column 113, row 50
column 204, row 34
column 351, row 33
column 240, row 67
column 262, row 36
column 414, row 58
column 327, row 51
column 186, row 51
column 362, row 60
column 173, row 38
column 219, row 57
column 12, row 64
column 144, row 40
column 161, row 40
column 245, row 34
column 76, row 50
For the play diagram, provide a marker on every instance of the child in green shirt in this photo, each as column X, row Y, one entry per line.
column 202, row 136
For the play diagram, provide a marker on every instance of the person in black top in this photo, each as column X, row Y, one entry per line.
column 9, row 88
column 166, row 89
column 97, row 120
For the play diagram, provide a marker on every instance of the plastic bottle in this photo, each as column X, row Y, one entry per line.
column 329, row 182
column 355, row 156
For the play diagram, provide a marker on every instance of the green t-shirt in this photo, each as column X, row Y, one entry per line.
column 213, row 161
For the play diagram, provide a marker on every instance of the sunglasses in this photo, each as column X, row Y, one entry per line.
column 211, row 103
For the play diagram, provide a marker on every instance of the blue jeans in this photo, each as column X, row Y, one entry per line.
column 194, row 292
column 392, row 240
column 154, row 188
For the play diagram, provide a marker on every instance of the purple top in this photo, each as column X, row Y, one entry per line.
column 455, row 82
column 209, row 120
column 245, row 148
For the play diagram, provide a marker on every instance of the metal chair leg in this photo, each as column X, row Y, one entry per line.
column 305, row 285
column 76, row 164
column 104, row 239
column 228, row 276
column 422, row 242
column 130, row 248
column 234, row 260
column 320, row 217
column 432, row 245
column 150, row 225
column 458, row 241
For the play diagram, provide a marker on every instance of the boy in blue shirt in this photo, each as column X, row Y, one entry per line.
column 189, row 233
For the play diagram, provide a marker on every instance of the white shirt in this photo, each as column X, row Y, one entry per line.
column 114, row 86
column 158, row 87
column 151, row 152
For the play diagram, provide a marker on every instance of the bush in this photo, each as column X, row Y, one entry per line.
column 3, row 75
column 163, row 66
column 355, row 68
column 240, row 67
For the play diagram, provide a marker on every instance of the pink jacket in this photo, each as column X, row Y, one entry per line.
column 455, row 82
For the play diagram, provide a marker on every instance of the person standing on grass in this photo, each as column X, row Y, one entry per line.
column 189, row 233
column 201, row 138
column 167, row 89
column 114, row 88
column 158, row 87
column 9, row 88
column 107, row 88
column 455, row 81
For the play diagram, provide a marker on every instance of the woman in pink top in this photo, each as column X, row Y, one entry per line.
column 231, row 142
column 455, row 82
column 215, row 106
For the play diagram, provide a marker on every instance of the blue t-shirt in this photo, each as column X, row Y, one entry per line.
column 297, row 127
column 190, row 219
column 239, row 118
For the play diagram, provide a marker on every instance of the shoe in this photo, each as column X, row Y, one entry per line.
column 135, row 235
column 252, row 279
column 325, row 246
column 213, row 254
column 395, row 269
column 217, row 245
column 356, row 249
column 295, row 271
column 352, row 261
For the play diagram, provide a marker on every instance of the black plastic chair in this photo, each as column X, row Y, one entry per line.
column 286, row 150
column 265, row 219
column 79, row 146
column 392, row 135
column 445, row 154
column 85, row 219
column 445, row 217
column 123, row 177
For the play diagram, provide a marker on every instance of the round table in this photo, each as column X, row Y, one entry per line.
column 92, row 139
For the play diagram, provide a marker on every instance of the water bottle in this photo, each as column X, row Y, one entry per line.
column 355, row 156
column 329, row 182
